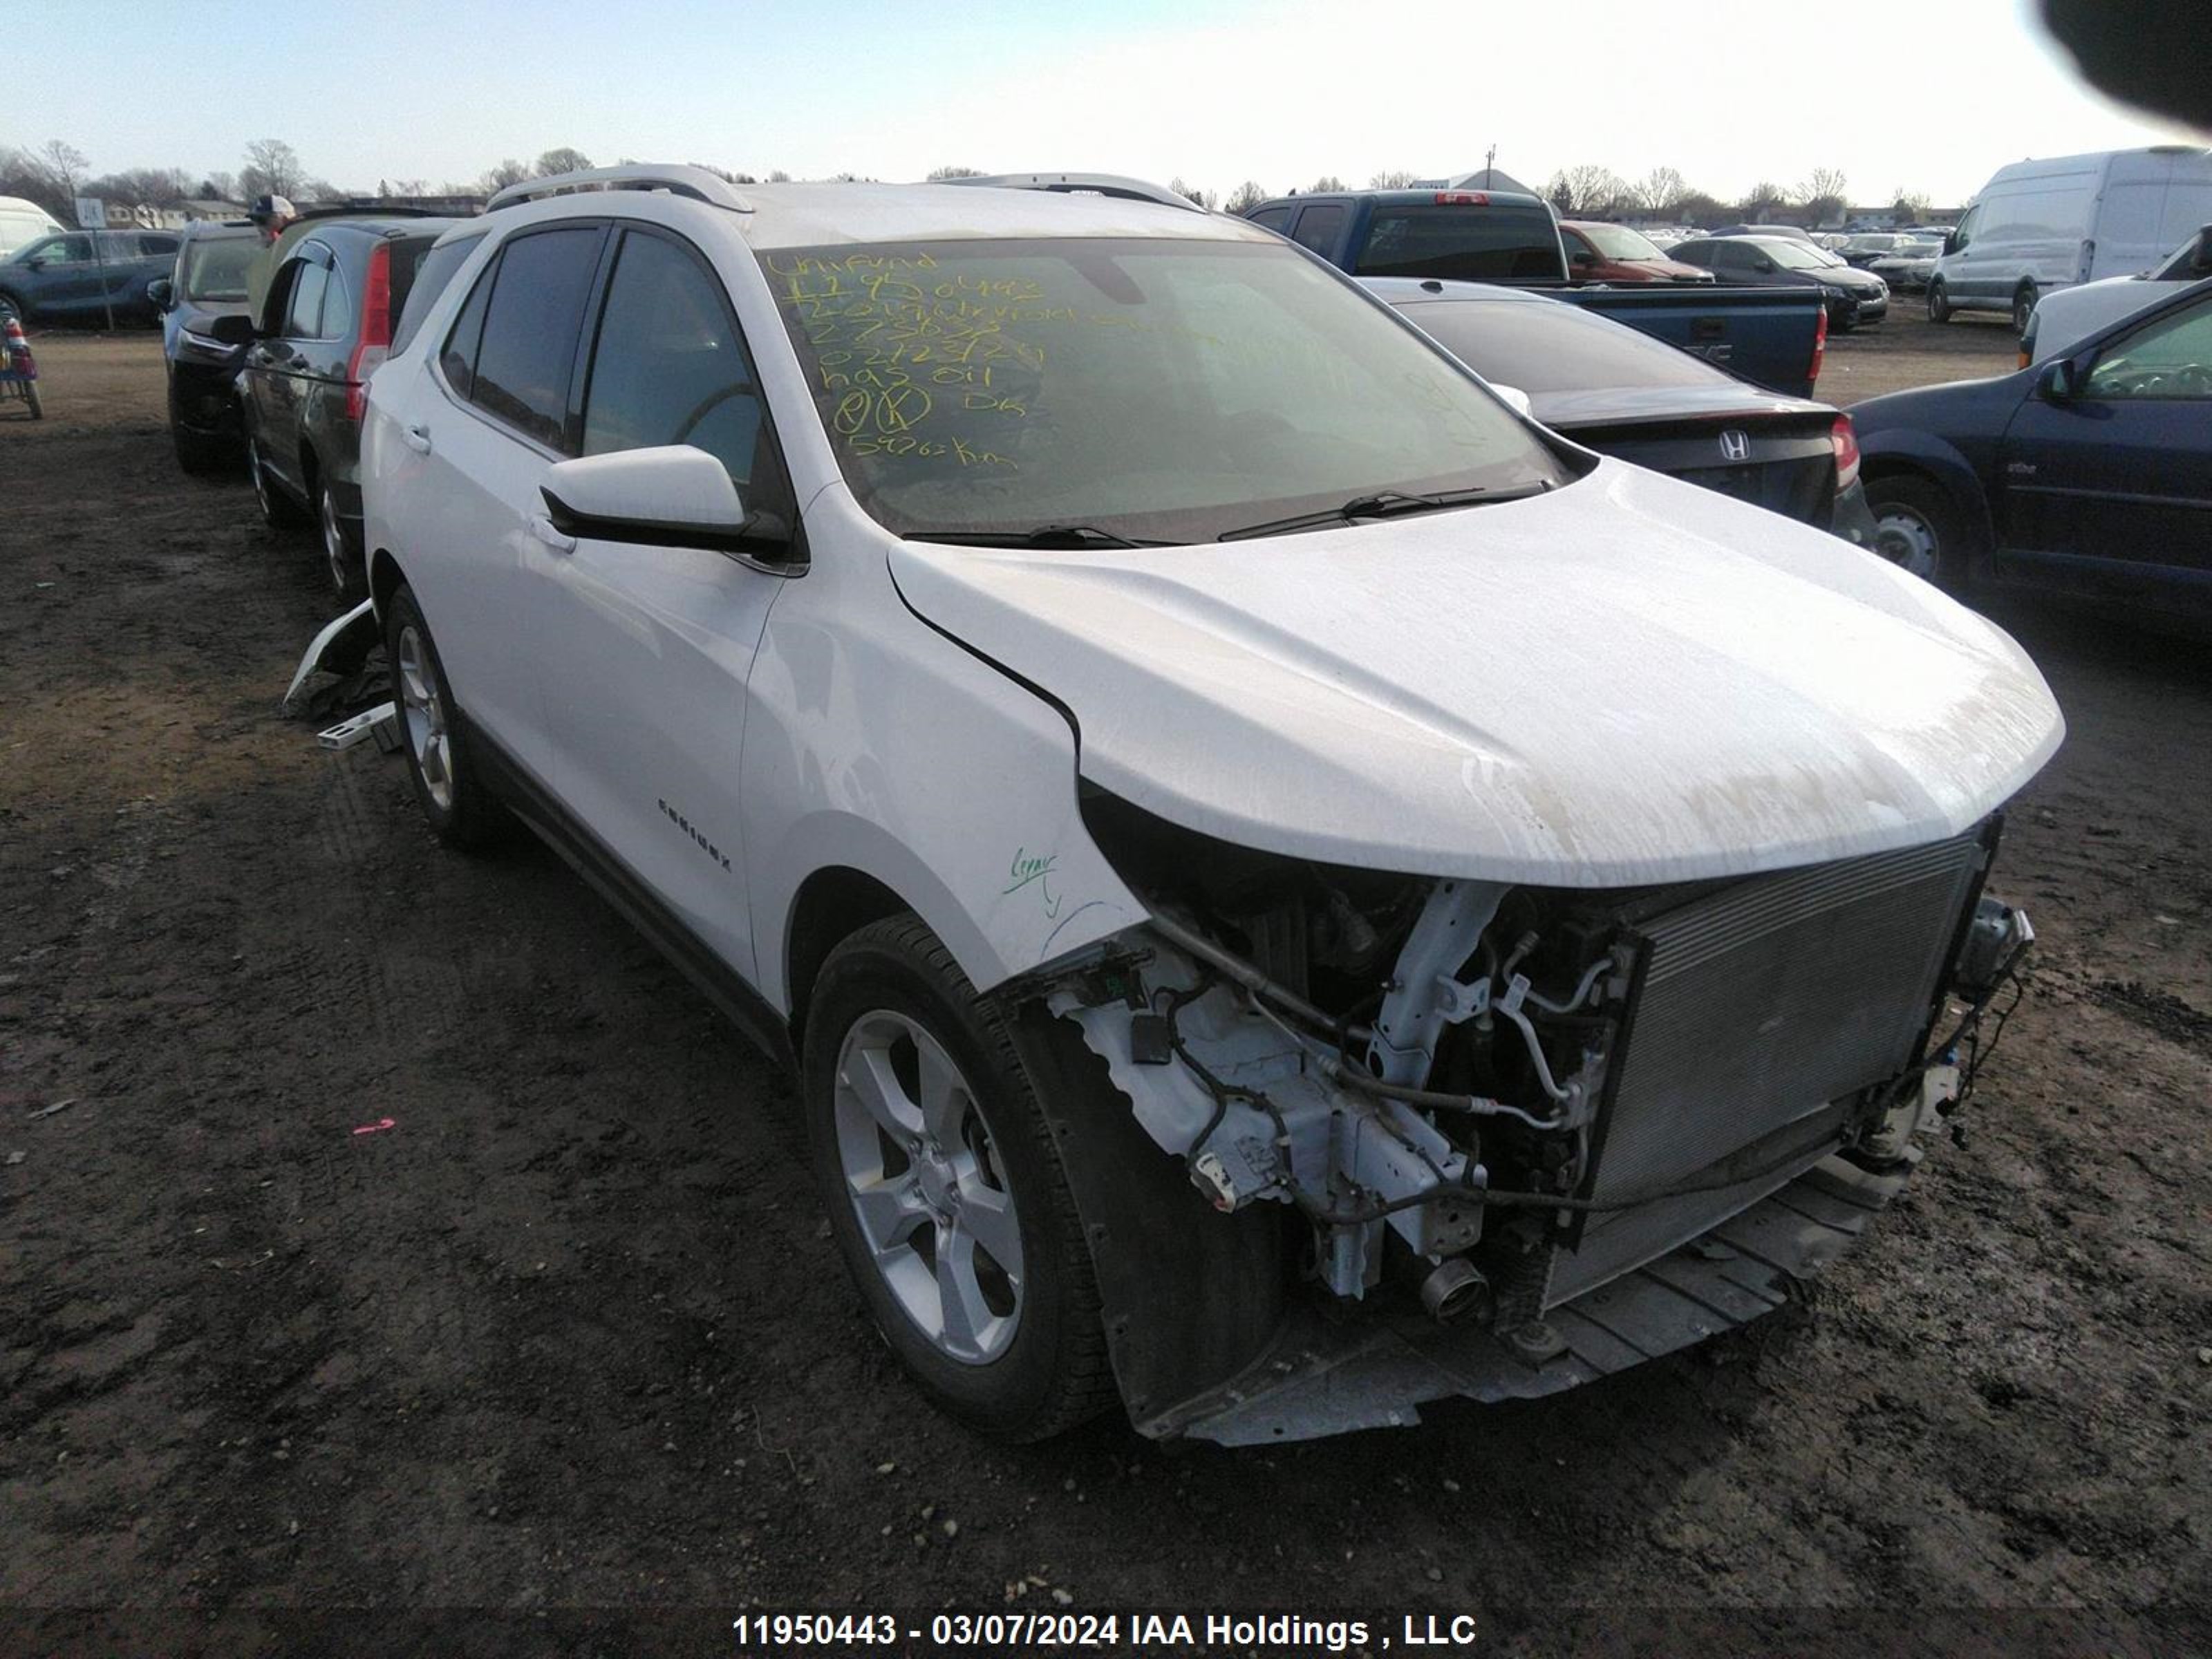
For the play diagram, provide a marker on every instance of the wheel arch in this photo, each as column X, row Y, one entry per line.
column 1923, row 455
column 385, row 578
column 832, row 904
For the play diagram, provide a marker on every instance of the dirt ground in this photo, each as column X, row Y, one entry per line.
column 568, row 1333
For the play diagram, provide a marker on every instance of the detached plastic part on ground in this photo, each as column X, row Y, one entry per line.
column 342, row 670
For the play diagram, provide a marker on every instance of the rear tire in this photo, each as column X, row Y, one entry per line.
column 462, row 811
column 2023, row 309
column 1923, row 531
column 342, row 559
column 1938, row 302
column 946, row 1194
column 31, row 396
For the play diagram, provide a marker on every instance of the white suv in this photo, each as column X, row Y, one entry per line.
column 1291, row 891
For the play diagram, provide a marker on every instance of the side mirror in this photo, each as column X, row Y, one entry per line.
column 673, row 495
column 233, row 330
column 1582, row 255
column 1762, row 264
column 2201, row 261
column 2061, row 383
column 1514, row 397
column 162, row 293
column 37, row 262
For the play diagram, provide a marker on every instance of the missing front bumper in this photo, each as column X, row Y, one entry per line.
column 1323, row 1376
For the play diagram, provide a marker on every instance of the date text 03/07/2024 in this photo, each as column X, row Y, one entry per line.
column 1107, row 1631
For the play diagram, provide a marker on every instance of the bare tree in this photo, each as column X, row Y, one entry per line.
column 1824, row 196
column 1588, row 189
column 1246, row 197
column 1397, row 180
column 272, row 168
column 65, row 163
column 508, row 172
column 1763, row 198
column 1328, row 181
column 955, row 173
column 1205, row 198
column 1694, row 207
column 1659, row 189
column 778, row 176
column 141, row 186
column 219, row 187
column 1910, row 207
column 562, row 159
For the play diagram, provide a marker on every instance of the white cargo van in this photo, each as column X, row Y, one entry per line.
column 2036, row 226
column 22, row 222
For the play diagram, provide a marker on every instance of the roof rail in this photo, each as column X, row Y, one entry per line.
column 697, row 183
column 1083, row 184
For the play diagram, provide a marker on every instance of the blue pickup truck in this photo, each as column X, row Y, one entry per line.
column 1774, row 338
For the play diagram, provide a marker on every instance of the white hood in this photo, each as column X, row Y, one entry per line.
column 1628, row 680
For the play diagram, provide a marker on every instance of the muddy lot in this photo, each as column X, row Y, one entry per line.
column 570, row 1335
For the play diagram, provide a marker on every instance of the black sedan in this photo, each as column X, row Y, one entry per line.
column 1853, row 297
column 208, row 282
column 2088, row 475
column 1623, row 393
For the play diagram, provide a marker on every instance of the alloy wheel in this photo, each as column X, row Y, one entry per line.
column 429, row 739
column 927, row 1187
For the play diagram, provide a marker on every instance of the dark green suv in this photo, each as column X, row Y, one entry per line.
column 326, row 325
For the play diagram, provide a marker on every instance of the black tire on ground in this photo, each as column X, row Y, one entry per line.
column 469, row 817
column 278, row 510
column 31, row 396
column 1055, row 1372
column 2023, row 308
column 1939, row 302
column 1925, row 507
column 341, row 558
column 199, row 453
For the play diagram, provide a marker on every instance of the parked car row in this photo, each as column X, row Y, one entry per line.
column 79, row 276
column 1200, row 851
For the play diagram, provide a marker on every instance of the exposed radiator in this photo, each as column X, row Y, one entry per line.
column 1757, row 1006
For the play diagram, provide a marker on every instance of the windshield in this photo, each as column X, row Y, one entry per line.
column 1619, row 242
column 214, row 268
column 1797, row 256
column 1542, row 346
column 1165, row 389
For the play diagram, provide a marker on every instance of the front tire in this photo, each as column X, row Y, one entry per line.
column 278, row 510
column 1923, row 530
column 945, row 1190
column 462, row 811
column 2023, row 309
column 1938, row 302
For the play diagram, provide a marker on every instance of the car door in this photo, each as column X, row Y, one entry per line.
column 1964, row 269
column 643, row 651
column 485, row 421
column 59, row 278
column 2111, row 490
column 279, row 363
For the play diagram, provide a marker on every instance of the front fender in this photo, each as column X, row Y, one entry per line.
column 1914, row 449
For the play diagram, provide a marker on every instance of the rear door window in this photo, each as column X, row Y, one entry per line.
column 458, row 360
column 529, row 349
column 1322, row 227
column 303, row 309
column 1273, row 218
column 669, row 367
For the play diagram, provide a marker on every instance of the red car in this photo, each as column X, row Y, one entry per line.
column 1614, row 253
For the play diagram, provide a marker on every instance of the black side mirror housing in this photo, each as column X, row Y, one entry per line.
column 2061, row 383
column 2201, row 261
column 162, row 293
column 1581, row 257
column 233, row 330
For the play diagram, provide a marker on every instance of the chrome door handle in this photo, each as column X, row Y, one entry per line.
column 417, row 438
column 559, row 540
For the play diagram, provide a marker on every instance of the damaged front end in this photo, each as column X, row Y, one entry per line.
column 1491, row 1140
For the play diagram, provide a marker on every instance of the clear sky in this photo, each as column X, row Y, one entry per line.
column 1930, row 95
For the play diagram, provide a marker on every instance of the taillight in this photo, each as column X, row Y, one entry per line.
column 1820, row 347
column 1461, row 198
column 374, row 343
column 1845, row 442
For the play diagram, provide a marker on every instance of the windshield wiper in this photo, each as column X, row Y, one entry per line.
column 1045, row 534
column 1382, row 504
